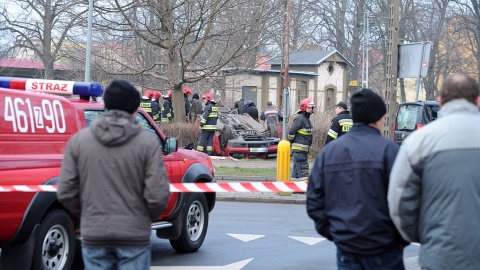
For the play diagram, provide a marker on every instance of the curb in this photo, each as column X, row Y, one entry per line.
column 245, row 178
column 260, row 200
column 257, row 197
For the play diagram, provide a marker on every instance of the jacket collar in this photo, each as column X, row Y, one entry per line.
column 363, row 129
column 456, row 106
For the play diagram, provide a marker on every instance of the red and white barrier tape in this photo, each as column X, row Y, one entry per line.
column 191, row 187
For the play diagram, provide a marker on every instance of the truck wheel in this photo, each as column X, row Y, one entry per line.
column 194, row 226
column 55, row 246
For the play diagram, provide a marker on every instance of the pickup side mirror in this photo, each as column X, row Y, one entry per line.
column 171, row 145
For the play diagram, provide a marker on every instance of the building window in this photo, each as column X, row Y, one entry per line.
column 302, row 91
column 330, row 68
column 330, row 98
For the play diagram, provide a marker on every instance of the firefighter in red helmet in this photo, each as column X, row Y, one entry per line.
column 208, row 123
column 156, row 99
column 186, row 94
column 167, row 108
column 300, row 135
column 146, row 102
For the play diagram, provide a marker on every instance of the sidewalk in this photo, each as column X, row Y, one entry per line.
column 262, row 197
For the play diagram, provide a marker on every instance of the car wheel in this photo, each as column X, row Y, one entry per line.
column 195, row 223
column 225, row 135
column 55, row 246
column 273, row 131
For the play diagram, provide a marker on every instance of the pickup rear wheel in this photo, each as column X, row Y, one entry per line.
column 55, row 246
column 195, row 223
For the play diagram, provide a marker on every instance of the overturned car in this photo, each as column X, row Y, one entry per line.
column 239, row 135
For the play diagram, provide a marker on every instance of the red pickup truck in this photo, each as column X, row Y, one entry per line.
column 36, row 232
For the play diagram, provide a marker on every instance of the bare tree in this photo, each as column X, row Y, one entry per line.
column 41, row 26
column 181, row 42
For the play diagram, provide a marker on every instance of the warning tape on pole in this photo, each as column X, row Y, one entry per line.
column 191, row 187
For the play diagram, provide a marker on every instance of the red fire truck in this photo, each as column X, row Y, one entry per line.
column 37, row 117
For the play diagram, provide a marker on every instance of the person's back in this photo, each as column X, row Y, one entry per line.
column 347, row 191
column 434, row 195
column 270, row 115
column 361, row 153
column 113, row 178
column 196, row 109
column 341, row 123
column 240, row 106
column 252, row 110
column 146, row 102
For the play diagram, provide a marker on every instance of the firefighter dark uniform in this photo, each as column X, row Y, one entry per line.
column 300, row 135
column 146, row 102
column 167, row 108
column 186, row 93
column 208, row 123
column 341, row 123
column 156, row 108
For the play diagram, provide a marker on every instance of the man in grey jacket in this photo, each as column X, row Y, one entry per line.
column 114, row 179
column 434, row 191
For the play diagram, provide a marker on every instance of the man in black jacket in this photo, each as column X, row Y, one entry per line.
column 251, row 109
column 347, row 191
column 341, row 123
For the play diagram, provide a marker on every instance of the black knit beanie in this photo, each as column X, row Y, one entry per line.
column 367, row 106
column 121, row 95
column 195, row 96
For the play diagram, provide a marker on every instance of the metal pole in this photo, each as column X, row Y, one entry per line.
column 283, row 148
column 420, row 73
column 367, row 49
column 89, row 41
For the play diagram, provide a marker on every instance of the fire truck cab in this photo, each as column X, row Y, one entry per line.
column 37, row 118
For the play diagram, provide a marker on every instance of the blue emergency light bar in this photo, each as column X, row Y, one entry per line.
column 53, row 86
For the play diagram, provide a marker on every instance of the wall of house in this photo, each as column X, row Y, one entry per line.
column 327, row 79
column 234, row 84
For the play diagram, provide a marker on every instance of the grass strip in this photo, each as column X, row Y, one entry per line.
column 245, row 171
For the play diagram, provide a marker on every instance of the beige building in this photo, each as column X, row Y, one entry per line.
column 315, row 74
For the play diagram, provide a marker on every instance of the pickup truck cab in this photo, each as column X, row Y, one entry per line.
column 37, row 118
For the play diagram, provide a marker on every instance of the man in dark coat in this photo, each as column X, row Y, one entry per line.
column 347, row 191
column 240, row 106
column 341, row 123
column 252, row 110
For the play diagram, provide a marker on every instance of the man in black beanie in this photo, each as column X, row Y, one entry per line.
column 196, row 109
column 113, row 174
column 347, row 190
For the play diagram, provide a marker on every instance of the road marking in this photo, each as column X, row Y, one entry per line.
column 246, row 237
column 308, row 240
column 233, row 266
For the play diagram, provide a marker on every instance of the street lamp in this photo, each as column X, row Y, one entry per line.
column 89, row 41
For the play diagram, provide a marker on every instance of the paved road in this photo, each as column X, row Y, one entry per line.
column 244, row 236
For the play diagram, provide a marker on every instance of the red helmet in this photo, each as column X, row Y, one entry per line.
column 169, row 94
column 306, row 103
column 156, row 95
column 187, row 91
column 149, row 93
column 207, row 97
